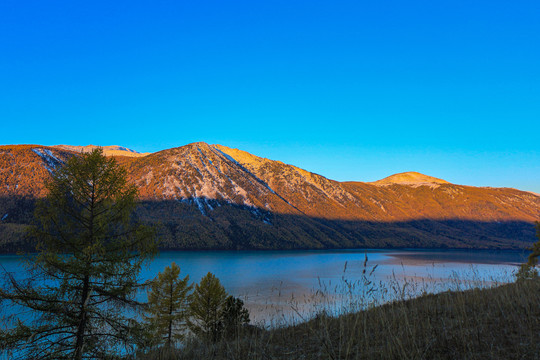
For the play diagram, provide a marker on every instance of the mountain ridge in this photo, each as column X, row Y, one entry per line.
column 212, row 196
column 108, row 150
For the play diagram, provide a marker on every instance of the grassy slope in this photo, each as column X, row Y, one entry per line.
column 498, row 323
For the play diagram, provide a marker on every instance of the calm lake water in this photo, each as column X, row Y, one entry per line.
column 286, row 286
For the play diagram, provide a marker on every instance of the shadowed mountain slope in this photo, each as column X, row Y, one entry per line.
column 211, row 196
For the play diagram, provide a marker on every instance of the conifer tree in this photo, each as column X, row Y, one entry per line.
column 528, row 269
column 535, row 250
column 235, row 316
column 206, row 308
column 83, row 280
column 168, row 307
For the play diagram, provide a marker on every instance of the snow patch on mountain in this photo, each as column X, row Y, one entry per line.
column 49, row 158
column 200, row 205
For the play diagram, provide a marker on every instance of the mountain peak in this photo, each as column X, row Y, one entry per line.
column 200, row 144
column 409, row 178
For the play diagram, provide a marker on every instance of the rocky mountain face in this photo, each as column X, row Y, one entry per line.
column 209, row 196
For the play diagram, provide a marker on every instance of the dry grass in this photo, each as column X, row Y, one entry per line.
column 492, row 323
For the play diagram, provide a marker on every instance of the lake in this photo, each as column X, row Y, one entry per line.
column 281, row 287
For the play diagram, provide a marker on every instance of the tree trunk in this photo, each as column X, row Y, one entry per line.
column 79, row 344
column 170, row 315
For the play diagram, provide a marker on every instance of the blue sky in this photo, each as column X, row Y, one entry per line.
column 351, row 90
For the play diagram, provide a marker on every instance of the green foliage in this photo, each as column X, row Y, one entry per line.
column 206, row 308
column 168, row 307
column 235, row 316
column 83, row 279
column 535, row 250
column 528, row 270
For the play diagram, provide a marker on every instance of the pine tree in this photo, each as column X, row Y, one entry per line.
column 83, row 280
column 206, row 309
column 535, row 250
column 528, row 270
column 168, row 307
column 235, row 317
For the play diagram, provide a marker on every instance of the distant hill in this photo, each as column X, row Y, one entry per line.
column 112, row 150
column 409, row 178
column 214, row 197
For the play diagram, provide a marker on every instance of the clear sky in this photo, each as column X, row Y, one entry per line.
column 352, row 90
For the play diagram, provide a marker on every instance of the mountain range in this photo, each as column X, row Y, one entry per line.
column 203, row 196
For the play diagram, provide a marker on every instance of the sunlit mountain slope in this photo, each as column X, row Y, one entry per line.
column 212, row 196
